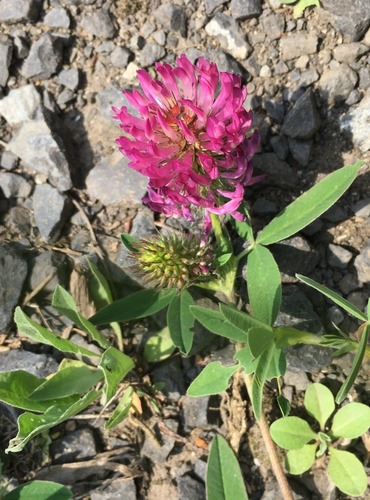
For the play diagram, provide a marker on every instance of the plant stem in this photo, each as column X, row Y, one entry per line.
column 270, row 448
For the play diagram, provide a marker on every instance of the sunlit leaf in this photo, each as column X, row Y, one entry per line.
column 213, row 379
column 115, row 366
column 351, row 421
column 291, row 433
column 300, row 460
column 159, row 346
column 40, row 490
column 347, row 472
column 319, row 403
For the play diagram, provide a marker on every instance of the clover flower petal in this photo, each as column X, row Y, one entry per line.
column 193, row 139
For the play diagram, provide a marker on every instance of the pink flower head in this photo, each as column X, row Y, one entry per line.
column 192, row 139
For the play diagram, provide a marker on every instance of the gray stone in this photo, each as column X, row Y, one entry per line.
column 171, row 374
column 20, row 11
column 275, row 109
column 279, row 173
column 98, row 24
column 264, row 207
column 105, row 47
column 358, row 299
column 224, row 61
column 335, row 213
column 195, row 411
column 301, row 150
column 70, row 78
column 364, row 78
column 303, row 121
column 350, row 18
column 81, row 240
column 230, row 36
column 6, row 49
column 294, row 255
column 112, row 181
column 158, row 451
column 8, row 160
column 57, row 17
column 280, row 146
column 362, row 264
column 113, row 96
column 21, row 105
column 39, row 365
column 65, row 97
column 281, row 68
column 188, row 487
column 18, row 220
column 13, row 272
column 273, row 26
column 354, row 97
column 356, row 123
column 350, row 52
column 298, row 44
column 74, row 446
column 44, row 58
column 245, row 9
column 211, row 5
column 115, row 489
column 335, row 315
column 348, row 283
column 50, row 210
column 200, row 469
column 338, row 256
column 173, row 17
column 308, row 77
column 299, row 380
column 120, row 57
column 362, row 208
column 337, row 83
column 296, row 311
column 42, row 151
column 21, row 48
column 151, row 53
column 14, row 186
column 47, row 263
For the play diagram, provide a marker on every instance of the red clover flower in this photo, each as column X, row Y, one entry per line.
column 193, row 138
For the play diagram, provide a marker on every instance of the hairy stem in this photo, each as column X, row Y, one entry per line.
column 271, row 449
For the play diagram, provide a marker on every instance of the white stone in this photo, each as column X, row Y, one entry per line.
column 21, row 105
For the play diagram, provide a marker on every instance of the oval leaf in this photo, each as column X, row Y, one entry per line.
column 291, row 433
column 347, row 472
column 309, row 206
column 213, row 379
column 159, row 346
column 224, row 478
column 42, row 490
column 351, row 421
column 301, row 460
column 216, row 323
column 264, row 285
column 137, row 305
column 180, row 321
column 319, row 403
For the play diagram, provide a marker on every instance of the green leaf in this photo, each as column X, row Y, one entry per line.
column 63, row 302
column 300, row 460
column 180, row 321
column 368, row 310
column 122, row 409
column 319, row 403
column 351, row 421
column 347, row 472
column 259, row 378
column 16, row 387
column 67, row 382
column 246, row 359
column 40, row 490
column 340, row 301
column 224, row 258
column 224, row 478
column 309, row 206
column 128, row 240
column 40, row 334
column 356, row 366
column 302, row 6
column 101, row 292
column 259, row 340
column 137, row 305
column 216, row 323
column 284, row 405
column 115, row 366
column 277, row 366
column 242, row 320
column 264, row 285
column 291, row 433
column 213, row 379
column 30, row 424
column 159, row 346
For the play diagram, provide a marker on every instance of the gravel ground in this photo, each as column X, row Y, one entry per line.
column 65, row 195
